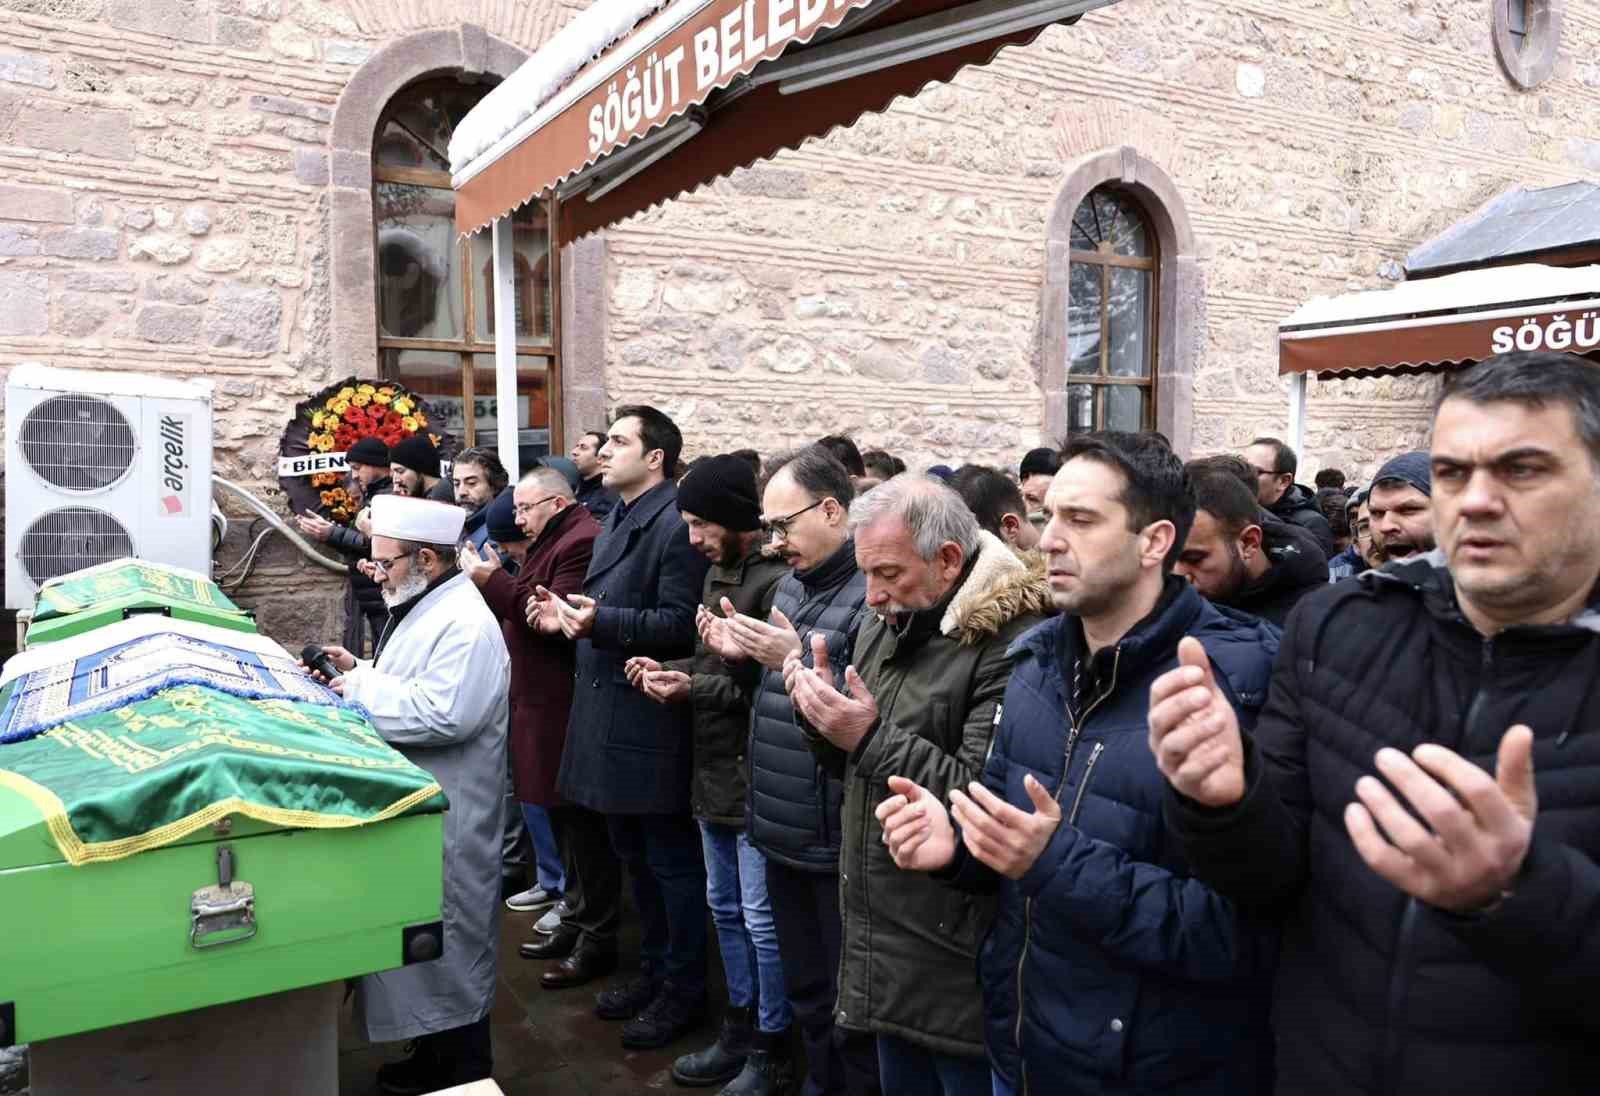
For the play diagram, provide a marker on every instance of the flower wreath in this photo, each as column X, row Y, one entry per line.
column 333, row 421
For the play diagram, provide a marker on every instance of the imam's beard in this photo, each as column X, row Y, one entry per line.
column 408, row 588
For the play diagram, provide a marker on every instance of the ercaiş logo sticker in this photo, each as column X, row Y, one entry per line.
column 174, row 453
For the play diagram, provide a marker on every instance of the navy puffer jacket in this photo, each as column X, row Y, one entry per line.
column 794, row 801
column 1131, row 976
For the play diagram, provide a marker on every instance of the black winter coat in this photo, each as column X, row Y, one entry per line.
column 1293, row 572
column 1378, row 993
column 353, row 544
column 720, row 694
column 596, row 497
column 794, row 800
column 1298, row 506
column 626, row 754
column 1131, row 975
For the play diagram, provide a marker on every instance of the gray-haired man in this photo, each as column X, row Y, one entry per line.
column 919, row 701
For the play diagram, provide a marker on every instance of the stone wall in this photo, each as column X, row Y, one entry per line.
column 887, row 279
column 174, row 197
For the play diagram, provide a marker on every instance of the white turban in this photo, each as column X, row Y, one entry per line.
column 423, row 520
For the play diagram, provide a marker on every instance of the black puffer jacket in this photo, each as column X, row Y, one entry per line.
column 1378, row 993
column 794, row 801
column 1294, row 571
column 1298, row 506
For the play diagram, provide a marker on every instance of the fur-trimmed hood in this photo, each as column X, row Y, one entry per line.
column 999, row 588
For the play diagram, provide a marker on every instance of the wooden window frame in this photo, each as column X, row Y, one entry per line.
column 471, row 341
column 1106, row 261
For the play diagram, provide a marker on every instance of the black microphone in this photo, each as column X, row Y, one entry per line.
column 317, row 659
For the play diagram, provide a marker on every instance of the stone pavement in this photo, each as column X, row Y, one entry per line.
column 548, row 1043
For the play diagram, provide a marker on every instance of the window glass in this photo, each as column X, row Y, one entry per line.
column 1111, row 303
column 530, row 245
column 419, row 279
column 436, row 291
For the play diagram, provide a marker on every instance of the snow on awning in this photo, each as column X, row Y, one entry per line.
column 733, row 80
column 1453, row 320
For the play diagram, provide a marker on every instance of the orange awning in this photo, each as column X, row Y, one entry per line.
column 702, row 87
column 1434, row 323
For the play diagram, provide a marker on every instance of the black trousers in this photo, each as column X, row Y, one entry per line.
column 594, row 876
column 462, row 1054
column 805, row 911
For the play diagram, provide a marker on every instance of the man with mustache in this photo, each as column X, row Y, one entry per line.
column 1400, row 507
column 919, row 701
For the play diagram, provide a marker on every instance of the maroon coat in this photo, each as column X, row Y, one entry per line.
column 541, row 665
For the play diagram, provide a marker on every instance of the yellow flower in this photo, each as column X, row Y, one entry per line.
column 388, row 390
column 365, row 389
column 345, row 393
column 403, row 406
column 341, row 407
column 330, row 422
column 381, row 398
column 330, row 401
column 316, row 420
column 323, row 443
column 410, row 424
column 361, row 399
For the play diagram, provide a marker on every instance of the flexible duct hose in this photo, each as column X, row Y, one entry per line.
column 281, row 526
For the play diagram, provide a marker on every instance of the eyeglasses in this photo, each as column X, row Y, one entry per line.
column 386, row 565
column 779, row 527
column 520, row 509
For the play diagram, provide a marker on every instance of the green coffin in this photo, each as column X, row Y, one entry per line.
column 88, row 599
column 186, row 819
column 109, row 943
column 114, row 609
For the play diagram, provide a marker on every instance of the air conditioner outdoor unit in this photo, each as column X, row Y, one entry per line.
column 103, row 465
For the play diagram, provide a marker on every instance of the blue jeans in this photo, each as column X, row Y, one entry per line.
column 547, row 859
column 906, row 1069
column 1003, row 1087
column 736, row 890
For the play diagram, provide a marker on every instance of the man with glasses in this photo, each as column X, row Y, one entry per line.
column 559, row 543
column 1275, row 465
column 436, row 691
column 794, row 802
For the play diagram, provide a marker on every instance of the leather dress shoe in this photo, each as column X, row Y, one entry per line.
column 558, row 945
column 586, row 963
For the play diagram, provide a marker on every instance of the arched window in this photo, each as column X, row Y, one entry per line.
column 435, row 319
column 1111, row 315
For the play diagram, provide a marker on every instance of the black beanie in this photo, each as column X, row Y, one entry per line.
column 501, row 520
column 369, row 451
column 722, row 490
column 416, row 453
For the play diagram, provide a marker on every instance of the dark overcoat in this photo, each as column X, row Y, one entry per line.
column 626, row 754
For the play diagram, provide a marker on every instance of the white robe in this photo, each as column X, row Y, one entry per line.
column 439, row 694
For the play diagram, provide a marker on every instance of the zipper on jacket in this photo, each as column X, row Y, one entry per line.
column 1083, row 785
column 1074, row 726
column 1393, row 1064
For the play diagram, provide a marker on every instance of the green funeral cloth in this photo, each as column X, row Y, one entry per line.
column 75, row 593
column 153, row 771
